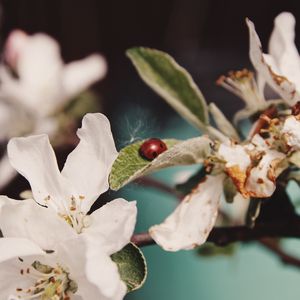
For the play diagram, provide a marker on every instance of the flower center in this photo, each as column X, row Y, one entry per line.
column 71, row 212
column 50, row 283
column 242, row 83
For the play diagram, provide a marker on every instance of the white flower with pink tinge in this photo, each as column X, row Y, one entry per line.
column 35, row 84
column 280, row 68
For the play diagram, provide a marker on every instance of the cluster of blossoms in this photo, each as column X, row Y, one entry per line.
column 52, row 248
column 252, row 166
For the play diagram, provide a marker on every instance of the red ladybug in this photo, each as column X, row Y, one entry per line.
column 151, row 148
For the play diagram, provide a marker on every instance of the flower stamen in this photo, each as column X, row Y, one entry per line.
column 51, row 283
column 242, row 83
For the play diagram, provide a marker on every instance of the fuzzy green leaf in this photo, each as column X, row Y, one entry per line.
column 172, row 82
column 132, row 266
column 222, row 122
column 211, row 250
column 129, row 165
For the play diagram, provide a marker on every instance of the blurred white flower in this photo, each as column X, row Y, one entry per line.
column 44, row 83
column 36, row 83
column 68, row 195
column 281, row 67
column 76, row 270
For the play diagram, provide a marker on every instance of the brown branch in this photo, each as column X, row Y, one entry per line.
column 273, row 246
column 142, row 239
column 222, row 236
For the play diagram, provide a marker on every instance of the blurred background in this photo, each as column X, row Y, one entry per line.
column 208, row 38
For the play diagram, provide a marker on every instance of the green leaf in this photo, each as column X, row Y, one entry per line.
column 222, row 122
column 253, row 211
column 132, row 266
column 211, row 250
column 172, row 82
column 129, row 165
column 229, row 190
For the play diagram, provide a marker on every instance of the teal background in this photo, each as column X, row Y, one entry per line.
column 251, row 273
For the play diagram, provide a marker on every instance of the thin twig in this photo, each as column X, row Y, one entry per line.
column 273, row 246
column 222, row 236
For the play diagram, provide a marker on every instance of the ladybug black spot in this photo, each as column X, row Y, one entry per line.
column 152, row 148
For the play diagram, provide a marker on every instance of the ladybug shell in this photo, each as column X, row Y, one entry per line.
column 151, row 148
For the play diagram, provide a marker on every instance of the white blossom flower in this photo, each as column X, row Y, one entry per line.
column 39, row 85
column 253, row 167
column 53, row 249
column 237, row 162
column 261, row 181
column 67, row 195
column 291, row 132
column 191, row 222
column 76, row 270
column 281, row 67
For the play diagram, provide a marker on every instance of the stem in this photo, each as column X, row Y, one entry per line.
column 273, row 246
column 222, row 236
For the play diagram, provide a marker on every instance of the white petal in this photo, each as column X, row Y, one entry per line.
column 39, row 67
column 34, row 158
column 48, row 125
column 236, row 210
column 27, row 219
column 87, row 168
column 112, row 225
column 18, row 247
column 283, row 49
column 14, row 117
column 14, row 44
column 79, row 75
column 261, row 180
column 191, row 222
column 291, row 131
column 96, row 274
column 281, row 85
column 258, row 142
column 235, row 155
column 14, row 253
